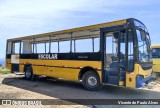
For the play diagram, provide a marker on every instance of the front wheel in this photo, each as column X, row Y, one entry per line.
column 91, row 81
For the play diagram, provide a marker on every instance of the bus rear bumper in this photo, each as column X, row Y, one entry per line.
column 141, row 81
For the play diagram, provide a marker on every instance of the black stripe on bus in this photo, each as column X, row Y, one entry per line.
column 63, row 56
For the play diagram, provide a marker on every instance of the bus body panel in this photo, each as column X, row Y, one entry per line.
column 140, row 71
column 8, row 64
column 133, row 80
column 67, row 69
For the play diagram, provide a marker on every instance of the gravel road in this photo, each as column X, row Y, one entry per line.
column 16, row 87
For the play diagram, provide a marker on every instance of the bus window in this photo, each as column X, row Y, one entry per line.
column 9, row 45
column 16, row 48
column 84, row 45
column 40, row 48
column 54, row 47
column 22, row 47
column 26, row 47
column 73, row 45
column 34, row 48
column 142, row 46
column 47, row 47
column 156, row 52
column 96, row 44
column 123, row 50
column 111, row 50
column 64, row 46
column 130, row 52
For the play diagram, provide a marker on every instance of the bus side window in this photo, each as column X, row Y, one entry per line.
column 16, row 48
column 9, row 45
column 73, row 45
column 54, row 47
column 96, row 44
column 26, row 47
column 130, row 52
column 34, row 48
column 22, row 47
column 47, row 47
column 40, row 48
column 84, row 45
column 64, row 46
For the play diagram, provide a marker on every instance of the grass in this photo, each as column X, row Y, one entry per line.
column 4, row 70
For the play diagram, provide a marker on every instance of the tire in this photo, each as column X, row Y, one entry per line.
column 91, row 81
column 29, row 74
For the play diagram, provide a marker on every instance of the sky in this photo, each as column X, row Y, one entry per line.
column 27, row 17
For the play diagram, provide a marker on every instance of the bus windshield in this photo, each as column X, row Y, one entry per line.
column 143, row 43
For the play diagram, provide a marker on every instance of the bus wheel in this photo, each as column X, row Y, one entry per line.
column 29, row 74
column 91, row 81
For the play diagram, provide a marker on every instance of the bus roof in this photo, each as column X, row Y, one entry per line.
column 89, row 30
column 155, row 46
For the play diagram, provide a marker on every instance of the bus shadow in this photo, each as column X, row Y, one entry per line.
column 73, row 90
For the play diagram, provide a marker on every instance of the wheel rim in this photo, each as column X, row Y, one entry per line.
column 92, row 81
column 28, row 73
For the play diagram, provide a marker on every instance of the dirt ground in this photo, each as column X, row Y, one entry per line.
column 154, row 85
column 16, row 87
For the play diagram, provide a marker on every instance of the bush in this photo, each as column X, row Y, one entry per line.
column 4, row 70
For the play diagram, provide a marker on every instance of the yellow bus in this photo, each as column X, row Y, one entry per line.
column 156, row 57
column 116, row 53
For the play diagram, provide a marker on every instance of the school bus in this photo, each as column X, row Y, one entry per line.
column 156, row 57
column 116, row 53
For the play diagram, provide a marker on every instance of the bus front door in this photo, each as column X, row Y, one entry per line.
column 115, row 53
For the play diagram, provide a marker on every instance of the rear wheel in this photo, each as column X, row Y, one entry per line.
column 91, row 81
column 29, row 74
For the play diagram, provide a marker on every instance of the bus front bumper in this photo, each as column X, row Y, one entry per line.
column 141, row 81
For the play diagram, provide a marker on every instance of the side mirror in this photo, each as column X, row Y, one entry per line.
column 143, row 35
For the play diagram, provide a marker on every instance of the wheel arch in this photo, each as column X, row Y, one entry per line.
column 26, row 65
column 86, row 69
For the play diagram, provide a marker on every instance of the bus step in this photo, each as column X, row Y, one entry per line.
column 113, row 80
column 19, row 73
